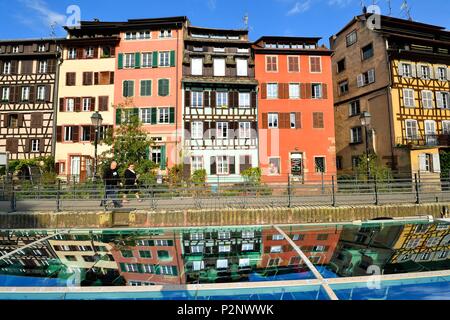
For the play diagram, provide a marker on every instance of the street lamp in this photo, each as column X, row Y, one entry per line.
column 97, row 121
column 366, row 119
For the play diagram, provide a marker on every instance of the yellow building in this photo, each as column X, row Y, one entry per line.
column 399, row 73
column 86, row 85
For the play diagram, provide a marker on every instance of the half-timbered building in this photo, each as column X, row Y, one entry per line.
column 28, row 71
column 400, row 74
column 220, row 103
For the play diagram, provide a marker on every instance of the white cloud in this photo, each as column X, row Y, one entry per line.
column 300, row 7
column 212, row 4
column 43, row 13
column 340, row 3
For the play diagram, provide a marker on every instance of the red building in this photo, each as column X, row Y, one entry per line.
column 296, row 120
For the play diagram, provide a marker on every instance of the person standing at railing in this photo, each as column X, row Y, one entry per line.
column 131, row 183
column 111, row 178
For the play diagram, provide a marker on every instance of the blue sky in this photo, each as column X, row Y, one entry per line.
column 32, row 18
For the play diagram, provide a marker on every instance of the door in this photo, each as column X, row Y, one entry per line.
column 430, row 132
column 297, row 164
column 75, row 168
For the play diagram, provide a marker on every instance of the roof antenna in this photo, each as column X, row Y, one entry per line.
column 363, row 7
column 389, row 7
column 246, row 21
column 406, row 10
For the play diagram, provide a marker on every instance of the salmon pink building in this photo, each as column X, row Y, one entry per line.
column 148, row 77
column 295, row 109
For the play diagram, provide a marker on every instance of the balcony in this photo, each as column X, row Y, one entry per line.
column 428, row 140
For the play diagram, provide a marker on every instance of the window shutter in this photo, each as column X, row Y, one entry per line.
column 422, row 162
column 137, row 60
column 439, row 99
column 155, row 59
column 324, row 91
column 125, row 89
column 103, row 103
column 41, row 145
column 187, row 168
column 14, row 67
column 92, row 104
column 360, row 80
column 213, row 167
column 27, row 146
column 111, row 77
column 172, row 58
column 48, row 90
column 57, row 167
column 413, row 69
column 154, row 115
column 206, row 99
column 298, row 120
column 172, row 115
column 213, row 97
column 163, row 158
column 187, row 127
column 80, row 53
column 308, row 91
column 5, row 120
column 263, row 90
column 265, row 120
column 92, row 133
column 61, row 104
column 96, row 76
column 77, row 104
column 436, row 163
column 20, row 120
column 120, row 61
column 232, row 164
column 254, row 100
column 118, row 116
column 75, row 134
column 400, row 69
column 37, row 120
column 51, row 66
column 230, row 99
column 187, row 98
column 95, row 52
column 254, row 131
column 59, row 130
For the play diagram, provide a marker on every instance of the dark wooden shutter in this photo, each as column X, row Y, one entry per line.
column 187, row 98
column 103, row 103
column 111, row 77
column 77, row 104
column 32, row 94
column 283, row 92
column 96, row 78
column 35, row 47
column 303, row 91
column 265, row 120
column 61, row 104
column 324, row 91
column 263, row 90
column 51, row 66
column 232, row 164
column 213, row 97
column 80, row 53
column 92, row 133
column 206, row 99
column 318, row 120
column 37, row 120
column 254, row 98
column 92, row 104
column 41, row 145
column 213, row 167
column 298, row 120
column 20, row 120
column 231, row 99
column 254, row 133
column 172, row 115
column 187, row 127
column 5, row 120
column 308, row 91
column 95, row 52
column 14, row 67
column 27, row 146
column 75, row 134
column 57, row 167
column 48, row 90
column 59, row 134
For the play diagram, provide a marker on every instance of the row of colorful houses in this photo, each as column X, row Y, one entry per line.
column 212, row 99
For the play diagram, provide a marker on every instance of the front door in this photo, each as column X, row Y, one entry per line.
column 297, row 164
column 75, row 168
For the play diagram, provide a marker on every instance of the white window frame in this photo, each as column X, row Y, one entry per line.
column 221, row 99
column 442, row 74
column 242, row 67
column 294, row 93
column 43, row 66
column 147, row 59
column 41, row 48
column 409, row 98
column 223, row 130
column 277, row 237
column 198, row 265
column 276, row 249
column 248, row 247
column 197, row 163
column 40, row 96
column 197, row 99
column 164, row 113
column 25, row 94
column 129, row 60
column 68, row 134
column 276, row 63
column 222, row 165
column 86, row 102
column 197, row 130
column 222, row 264
column 196, row 66
column 224, row 248
column 248, row 234
column 273, row 120
column 219, row 67
column 446, row 127
column 34, row 145
column 414, row 136
column 72, row 53
column 293, row 120
column 197, row 236
column 244, row 100
column 427, row 99
column 407, row 70
column 7, row 67
column 164, row 59
column 353, row 136
column 443, row 100
column 197, row 249
column 5, row 94
column 166, row 33
column 245, row 130
column 272, row 91
column 316, row 90
column 425, row 75
column 70, row 105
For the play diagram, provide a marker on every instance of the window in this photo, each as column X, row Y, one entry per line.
column 427, row 99
column 433, row 241
column 244, row 130
column 425, row 71
column 163, row 87
column 197, row 66
column 141, row 35
column 197, row 163
column 407, row 70
column 70, row 104
column 224, row 248
column 318, row 122
column 411, row 129
column 413, row 243
column 90, row 52
column 34, row 145
column 197, row 236
column 355, row 108
column 86, row 104
column 446, row 127
column 248, row 234
column 355, row 162
column 442, row 74
column 294, row 91
column 13, row 121
column 15, row 49
column 316, row 91
column 163, row 115
column 343, row 87
column 222, row 130
column 25, row 96
column 341, row 66
column 276, row 249
column 298, row 237
column 128, row 88
column 356, row 135
column 197, row 130
column 72, row 53
column 367, row 52
column 86, row 134
column 219, row 67
column 216, row 49
column 129, row 60
column 40, row 93
column 42, row 48
column 156, row 155
column 222, row 165
column 443, row 100
column 164, row 59
column 315, row 64
column 163, row 243
column 271, row 63
column 366, row 78
column 198, row 265
column 274, row 166
column 7, row 67
column 273, row 262
column 127, row 253
column 222, row 264
column 273, row 120
column 244, row 263
column 272, row 90
column 130, row 267
column 293, row 64
column 147, row 60
column 222, row 99
column 43, row 66
column 242, row 67
column 319, row 164
column 277, row 237
column 408, row 97
column 293, row 120
column 199, row 49
column 197, row 99
column 163, row 254
column 5, row 93
column 146, row 88
column 68, row 134
column 165, row 34
column 248, row 247
column 351, row 38
column 244, row 99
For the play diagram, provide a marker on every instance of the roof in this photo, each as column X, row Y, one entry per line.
column 221, row 31
column 292, row 39
column 27, row 40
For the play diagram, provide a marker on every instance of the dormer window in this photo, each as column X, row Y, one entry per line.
column 165, row 34
column 219, row 49
column 198, row 49
column 242, row 50
column 41, row 48
column 15, row 49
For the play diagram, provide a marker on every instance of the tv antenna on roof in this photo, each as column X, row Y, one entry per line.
column 406, row 9
column 389, row 5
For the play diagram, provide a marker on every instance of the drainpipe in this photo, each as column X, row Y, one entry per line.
column 390, row 112
column 177, row 94
column 59, row 61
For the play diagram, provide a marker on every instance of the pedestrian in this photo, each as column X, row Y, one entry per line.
column 131, row 183
column 112, row 182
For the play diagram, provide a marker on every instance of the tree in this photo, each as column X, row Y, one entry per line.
column 252, row 176
column 377, row 169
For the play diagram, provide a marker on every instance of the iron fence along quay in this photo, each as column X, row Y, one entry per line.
column 325, row 191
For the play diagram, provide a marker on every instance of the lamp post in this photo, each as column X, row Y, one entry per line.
column 366, row 119
column 97, row 121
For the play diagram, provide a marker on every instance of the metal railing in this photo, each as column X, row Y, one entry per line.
column 425, row 140
column 327, row 192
